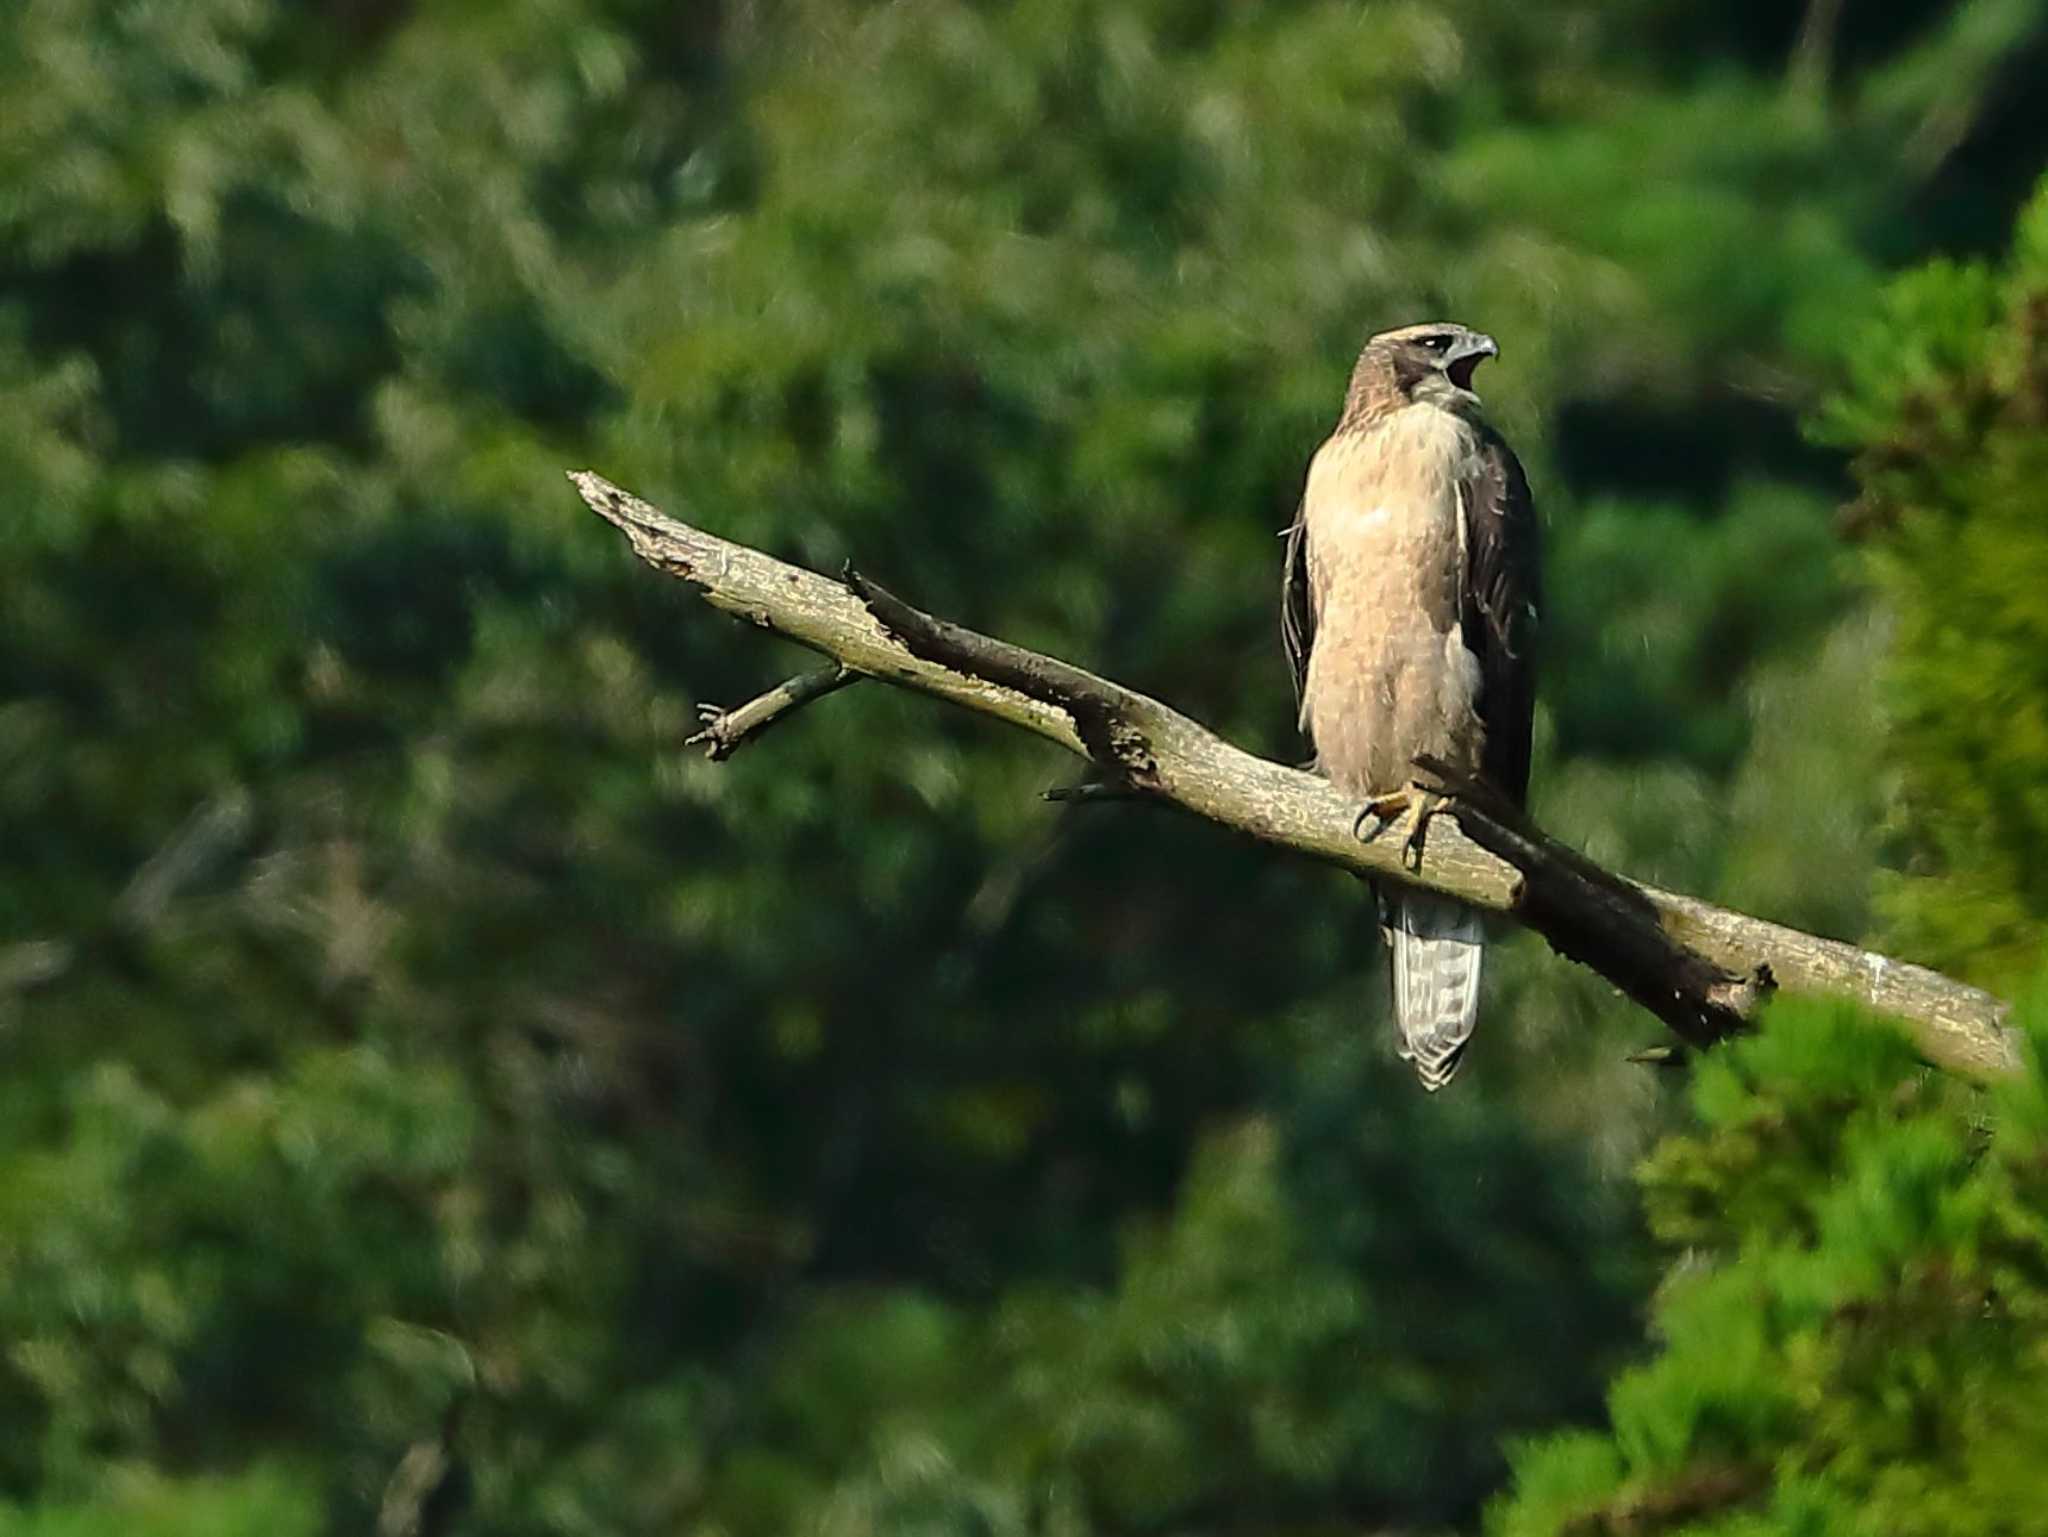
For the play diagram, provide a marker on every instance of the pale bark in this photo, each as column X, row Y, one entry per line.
column 1702, row 969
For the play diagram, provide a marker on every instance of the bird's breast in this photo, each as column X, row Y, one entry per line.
column 1386, row 520
column 1390, row 674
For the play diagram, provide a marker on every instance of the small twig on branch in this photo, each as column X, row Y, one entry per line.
column 1701, row 969
column 1094, row 792
column 1695, row 1493
column 726, row 731
column 1657, row 1056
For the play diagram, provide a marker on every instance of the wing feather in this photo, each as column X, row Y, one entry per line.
column 1501, row 599
column 1297, row 602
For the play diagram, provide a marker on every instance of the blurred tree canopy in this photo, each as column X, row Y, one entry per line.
column 392, row 1013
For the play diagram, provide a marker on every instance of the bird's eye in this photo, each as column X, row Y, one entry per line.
column 1436, row 343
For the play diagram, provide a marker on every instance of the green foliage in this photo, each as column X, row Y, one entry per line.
column 1948, row 413
column 265, row 1502
column 1853, row 1338
column 392, row 1016
column 1253, row 1364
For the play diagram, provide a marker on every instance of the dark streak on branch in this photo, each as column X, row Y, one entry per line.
column 1701, row 969
column 1602, row 921
column 1112, row 741
column 1095, row 792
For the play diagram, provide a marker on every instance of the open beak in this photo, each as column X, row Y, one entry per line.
column 1461, row 364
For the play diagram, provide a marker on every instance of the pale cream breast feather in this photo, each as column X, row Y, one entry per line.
column 1385, row 518
column 1389, row 673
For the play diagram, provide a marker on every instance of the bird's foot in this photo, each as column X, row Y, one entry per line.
column 1433, row 801
column 1381, row 811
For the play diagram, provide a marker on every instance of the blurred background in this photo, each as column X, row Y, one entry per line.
column 416, row 1065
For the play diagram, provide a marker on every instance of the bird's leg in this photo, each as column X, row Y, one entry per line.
column 1380, row 810
column 1433, row 801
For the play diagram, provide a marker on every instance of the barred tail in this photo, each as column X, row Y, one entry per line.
column 1438, row 946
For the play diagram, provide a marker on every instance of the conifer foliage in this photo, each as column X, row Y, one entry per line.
column 1854, row 1334
column 1851, row 1337
column 1947, row 413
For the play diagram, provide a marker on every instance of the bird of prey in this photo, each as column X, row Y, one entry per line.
column 1409, row 612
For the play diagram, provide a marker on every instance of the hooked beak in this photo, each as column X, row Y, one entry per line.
column 1461, row 364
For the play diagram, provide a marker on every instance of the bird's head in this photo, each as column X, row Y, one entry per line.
column 1431, row 361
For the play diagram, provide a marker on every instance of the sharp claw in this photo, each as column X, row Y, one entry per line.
column 1380, row 810
column 1432, row 802
column 710, row 714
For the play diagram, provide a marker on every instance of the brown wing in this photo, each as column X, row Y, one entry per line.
column 1502, row 593
column 1297, row 603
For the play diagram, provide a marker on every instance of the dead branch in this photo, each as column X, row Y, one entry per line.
column 726, row 731
column 1701, row 969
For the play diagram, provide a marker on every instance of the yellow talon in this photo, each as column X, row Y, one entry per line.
column 1380, row 809
column 1433, row 801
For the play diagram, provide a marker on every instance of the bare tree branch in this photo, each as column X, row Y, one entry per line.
column 1701, row 969
column 1813, row 54
column 726, row 731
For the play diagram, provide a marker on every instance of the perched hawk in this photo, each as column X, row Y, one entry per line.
column 1409, row 614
